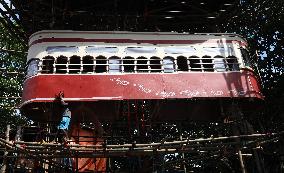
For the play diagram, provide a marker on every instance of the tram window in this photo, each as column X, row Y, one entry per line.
column 114, row 64
column 142, row 65
column 179, row 50
column 246, row 58
column 128, row 64
column 219, row 64
column 74, row 64
column 32, row 67
column 140, row 50
column 61, row 64
column 233, row 63
column 101, row 66
column 155, row 64
column 182, row 63
column 207, row 63
column 60, row 49
column 194, row 63
column 88, row 64
column 168, row 63
column 101, row 49
column 47, row 64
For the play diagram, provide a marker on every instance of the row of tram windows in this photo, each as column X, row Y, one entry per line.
column 101, row 64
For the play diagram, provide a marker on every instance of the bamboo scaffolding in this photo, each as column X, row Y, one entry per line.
column 59, row 150
column 157, row 144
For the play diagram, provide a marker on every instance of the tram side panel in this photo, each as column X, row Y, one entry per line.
column 185, row 79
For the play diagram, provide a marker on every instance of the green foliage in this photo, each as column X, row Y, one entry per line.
column 12, row 64
column 261, row 22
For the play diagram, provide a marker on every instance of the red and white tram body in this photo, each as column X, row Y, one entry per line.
column 187, row 75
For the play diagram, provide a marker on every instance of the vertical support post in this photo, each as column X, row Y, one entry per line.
column 281, row 146
column 48, row 131
column 4, row 166
column 46, row 162
column 257, row 157
column 77, row 159
column 108, row 159
column 235, row 113
column 77, row 164
column 180, row 137
column 236, row 132
column 128, row 117
column 184, row 166
column 18, row 136
column 242, row 161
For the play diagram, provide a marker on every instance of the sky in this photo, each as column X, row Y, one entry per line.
column 8, row 2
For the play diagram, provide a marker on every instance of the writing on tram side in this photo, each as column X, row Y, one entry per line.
column 187, row 92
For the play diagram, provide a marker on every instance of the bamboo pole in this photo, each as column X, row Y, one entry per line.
column 241, row 161
column 51, row 150
column 26, row 152
column 4, row 166
column 157, row 144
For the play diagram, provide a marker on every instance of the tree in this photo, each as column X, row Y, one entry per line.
column 261, row 22
column 12, row 65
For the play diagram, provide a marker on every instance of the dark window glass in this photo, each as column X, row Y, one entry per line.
column 101, row 66
column 74, row 64
column 207, row 63
column 182, row 63
column 194, row 63
column 155, row 64
column 246, row 58
column 61, row 64
column 128, row 64
column 88, row 64
column 47, row 64
column 233, row 64
column 142, row 65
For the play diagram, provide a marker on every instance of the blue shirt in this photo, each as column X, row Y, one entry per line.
column 66, row 118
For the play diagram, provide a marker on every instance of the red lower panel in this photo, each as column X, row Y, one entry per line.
column 86, row 137
column 42, row 88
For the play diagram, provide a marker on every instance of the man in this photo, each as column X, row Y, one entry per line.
column 66, row 116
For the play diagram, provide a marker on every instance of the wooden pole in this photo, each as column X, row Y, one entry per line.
column 241, row 161
column 257, row 157
column 4, row 166
column 235, row 114
column 156, row 144
column 18, row 136
column 183, row 157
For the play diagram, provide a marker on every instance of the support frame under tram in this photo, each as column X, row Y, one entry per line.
column 140, row 150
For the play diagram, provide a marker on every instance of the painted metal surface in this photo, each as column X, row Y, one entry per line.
column 42, row 88
column 40, row 43
column 86, row 137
